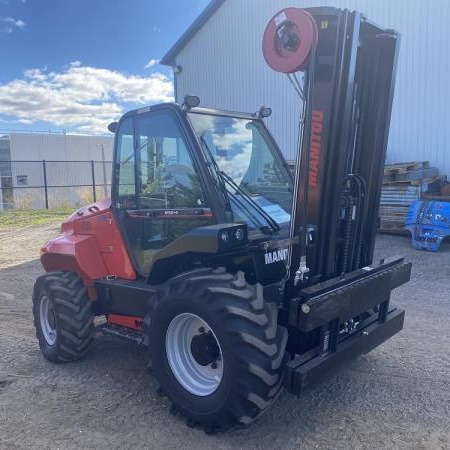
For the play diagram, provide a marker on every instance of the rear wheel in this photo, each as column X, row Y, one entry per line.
column 63, row 316
column 216, row 348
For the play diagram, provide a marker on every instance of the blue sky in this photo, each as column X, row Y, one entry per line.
column 78, row 64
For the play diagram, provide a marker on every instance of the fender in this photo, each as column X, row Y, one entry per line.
column 91, row 246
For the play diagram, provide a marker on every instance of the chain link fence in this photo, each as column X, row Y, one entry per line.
column 39, row 185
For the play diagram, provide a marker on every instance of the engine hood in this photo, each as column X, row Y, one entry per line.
column 85, row 212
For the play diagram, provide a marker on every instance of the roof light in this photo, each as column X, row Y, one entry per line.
column 191, row 101
column 264, row 112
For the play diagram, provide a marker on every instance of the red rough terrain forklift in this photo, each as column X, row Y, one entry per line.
column 241, row 279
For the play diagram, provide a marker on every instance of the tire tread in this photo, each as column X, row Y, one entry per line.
column 74, row 315
column 259, row 342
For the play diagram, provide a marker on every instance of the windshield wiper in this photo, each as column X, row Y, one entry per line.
column 220, row 182
column 273, row 224
column 244, row 207
column 228, row 180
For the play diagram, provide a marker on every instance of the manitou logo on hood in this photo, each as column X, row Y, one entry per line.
column 276, row 256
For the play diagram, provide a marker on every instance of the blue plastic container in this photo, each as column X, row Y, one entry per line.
column 429, row 224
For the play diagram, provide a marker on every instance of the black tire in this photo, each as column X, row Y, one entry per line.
column 71, row 314
column 252, row 344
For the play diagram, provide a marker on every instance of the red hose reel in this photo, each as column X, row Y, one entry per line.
column 289, row 39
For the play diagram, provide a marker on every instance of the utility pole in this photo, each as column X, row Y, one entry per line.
column 105, row 188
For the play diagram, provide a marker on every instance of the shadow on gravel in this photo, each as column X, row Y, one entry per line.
column 31, row 268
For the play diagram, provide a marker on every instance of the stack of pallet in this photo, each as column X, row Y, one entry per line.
column 402, row 185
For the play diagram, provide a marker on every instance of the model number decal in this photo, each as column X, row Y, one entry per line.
column 276, row 256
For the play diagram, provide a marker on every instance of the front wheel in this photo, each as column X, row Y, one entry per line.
column 216, row 348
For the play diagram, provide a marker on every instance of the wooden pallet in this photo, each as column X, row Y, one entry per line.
column 437, row 198
column 417, row 174
column 439, row 180
column 417, row 182
column 402, row 168
column 397, row 231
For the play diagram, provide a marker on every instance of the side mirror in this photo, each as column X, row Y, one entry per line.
column 263, row 112
column 112, row 127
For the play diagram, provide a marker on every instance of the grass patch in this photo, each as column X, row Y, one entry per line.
column 21, row 218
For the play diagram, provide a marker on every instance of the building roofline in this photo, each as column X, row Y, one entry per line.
column 169, row 58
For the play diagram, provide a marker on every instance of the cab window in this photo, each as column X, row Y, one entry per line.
column 160, row 196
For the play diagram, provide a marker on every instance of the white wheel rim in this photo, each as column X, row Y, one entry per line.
column 47, row 319
column 198, row 379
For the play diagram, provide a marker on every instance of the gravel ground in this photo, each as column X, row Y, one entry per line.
column 395, row 397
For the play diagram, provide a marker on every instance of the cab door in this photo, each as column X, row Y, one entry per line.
column 159, row 196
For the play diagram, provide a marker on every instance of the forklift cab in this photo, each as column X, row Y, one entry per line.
column 179, row 169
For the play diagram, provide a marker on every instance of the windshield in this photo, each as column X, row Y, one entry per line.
column 244, row 153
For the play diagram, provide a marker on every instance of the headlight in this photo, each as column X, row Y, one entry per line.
column 232, row 235
column 239, row 234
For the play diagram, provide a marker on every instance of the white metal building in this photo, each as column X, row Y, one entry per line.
column 73, row 165
column 60, row 147
column 219, row 58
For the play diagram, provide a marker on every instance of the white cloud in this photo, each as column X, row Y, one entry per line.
column 81, row 98
column 151, row 63
column 8, row 24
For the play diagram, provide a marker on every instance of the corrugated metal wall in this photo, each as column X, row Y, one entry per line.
column 69, row 173
column 223, row 64
column 60, row 147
